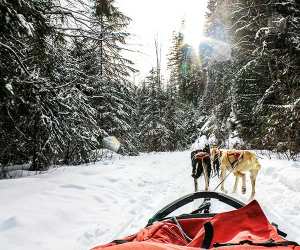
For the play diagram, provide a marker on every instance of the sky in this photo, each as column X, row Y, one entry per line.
column 158, row 19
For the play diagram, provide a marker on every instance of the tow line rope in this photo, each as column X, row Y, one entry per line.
column 181, row 230
column 232, row 168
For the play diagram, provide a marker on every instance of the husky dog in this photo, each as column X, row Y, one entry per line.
column 238, row 162
column 201, row 163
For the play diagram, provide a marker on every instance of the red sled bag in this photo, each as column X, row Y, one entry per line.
column 246, row 228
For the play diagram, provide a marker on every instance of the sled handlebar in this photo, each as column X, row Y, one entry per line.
column 161, row 214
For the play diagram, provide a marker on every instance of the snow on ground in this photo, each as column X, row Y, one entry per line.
column 79, row 207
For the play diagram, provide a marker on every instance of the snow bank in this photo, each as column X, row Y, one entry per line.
column 285, row 172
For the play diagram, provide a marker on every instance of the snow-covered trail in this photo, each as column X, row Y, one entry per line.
column 79, row 207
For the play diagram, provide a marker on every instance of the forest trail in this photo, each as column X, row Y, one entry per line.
column 79, row 207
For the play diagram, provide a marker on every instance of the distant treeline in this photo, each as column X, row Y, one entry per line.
column 242, row 88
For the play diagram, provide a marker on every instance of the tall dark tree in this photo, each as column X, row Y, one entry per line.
column 113, row 92
column 49, row 84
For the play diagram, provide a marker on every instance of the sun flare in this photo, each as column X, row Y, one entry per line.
column 194, row 26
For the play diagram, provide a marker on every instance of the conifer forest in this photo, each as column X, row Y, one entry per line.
column 66, row 82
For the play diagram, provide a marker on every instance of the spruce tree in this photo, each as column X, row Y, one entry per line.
column 153, row 131
column 112, row 94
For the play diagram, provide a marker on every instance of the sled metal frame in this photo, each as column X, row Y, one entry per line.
column 204, row 207
column 161, row 214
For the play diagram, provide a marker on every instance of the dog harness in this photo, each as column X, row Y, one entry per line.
column 201, row 156
column 236, row 156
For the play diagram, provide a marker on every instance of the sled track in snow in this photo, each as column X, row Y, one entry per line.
column 81, row 207
column 152, row 201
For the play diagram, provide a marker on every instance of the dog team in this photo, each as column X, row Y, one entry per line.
column 208, row 160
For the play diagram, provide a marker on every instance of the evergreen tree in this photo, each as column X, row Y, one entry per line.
column 113, row 94
column 256, row 85
column 174, row 120
column 153, row 132
column 49, row 84
column 174, row 59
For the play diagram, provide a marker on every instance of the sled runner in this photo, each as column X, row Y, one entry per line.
column 245, row 228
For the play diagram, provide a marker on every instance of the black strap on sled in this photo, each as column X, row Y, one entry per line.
column 269, row 243
column 209, row 234
column 281, row 233
column 118, row 242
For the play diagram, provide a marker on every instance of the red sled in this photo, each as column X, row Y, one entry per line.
column 245, row 228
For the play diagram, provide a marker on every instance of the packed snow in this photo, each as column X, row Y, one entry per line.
column 83, row 206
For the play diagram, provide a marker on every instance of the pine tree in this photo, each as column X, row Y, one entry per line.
column 22, row 24
column 173, row 117
column 185, row 71
column 47, row 83
column 153, row 131
column 277, row 47
column 263, row 88
column 174, row 59
column 113, row 93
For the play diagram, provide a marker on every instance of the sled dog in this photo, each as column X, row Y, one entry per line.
column 238, row 162
column 201, row 165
